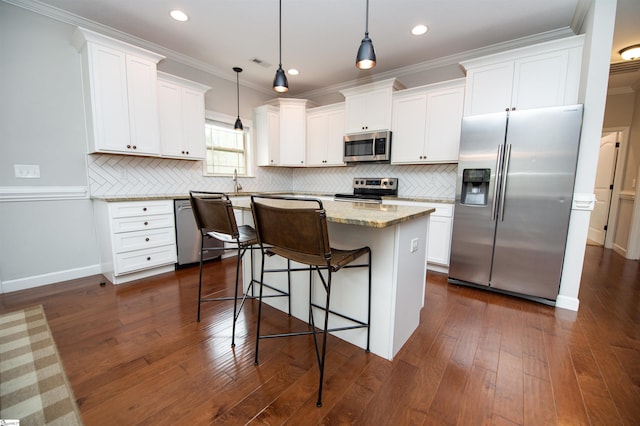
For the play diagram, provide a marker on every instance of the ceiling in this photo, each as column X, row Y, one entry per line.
column 321, row 37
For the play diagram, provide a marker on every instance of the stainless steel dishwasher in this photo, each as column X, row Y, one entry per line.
column 188, row 237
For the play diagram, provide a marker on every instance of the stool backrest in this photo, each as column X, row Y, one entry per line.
column 295, row 228
column 213, row 212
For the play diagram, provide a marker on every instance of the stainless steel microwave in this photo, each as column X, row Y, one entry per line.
column 363, row 147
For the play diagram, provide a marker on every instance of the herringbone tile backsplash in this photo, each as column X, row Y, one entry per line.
column 114, row 175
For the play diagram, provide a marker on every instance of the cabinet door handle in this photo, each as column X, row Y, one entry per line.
column 135, row 147
column 128, row 146
column 147, row 239
column 144, row 209
column 148, row 258
column 146, row 223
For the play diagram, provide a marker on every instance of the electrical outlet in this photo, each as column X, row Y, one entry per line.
column 414, row 245
column 28, row 171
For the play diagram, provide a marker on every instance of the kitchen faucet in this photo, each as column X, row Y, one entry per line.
column 236, row 185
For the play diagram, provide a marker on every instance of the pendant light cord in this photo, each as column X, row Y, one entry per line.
column 280, row 26
column 238, row 91
column 366, row 24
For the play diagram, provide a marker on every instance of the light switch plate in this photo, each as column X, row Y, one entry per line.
column 414, row 245
column 29, row 171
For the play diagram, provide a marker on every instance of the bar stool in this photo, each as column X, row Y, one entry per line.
column 296, row 229
column 213, row 213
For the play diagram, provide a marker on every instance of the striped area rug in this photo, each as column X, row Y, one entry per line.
column 33, row 386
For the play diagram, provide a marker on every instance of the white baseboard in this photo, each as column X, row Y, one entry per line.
column 570, row 303
column 438, row 268
column 622, row 251
column 50, row 278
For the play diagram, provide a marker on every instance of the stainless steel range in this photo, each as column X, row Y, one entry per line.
column 370, row 190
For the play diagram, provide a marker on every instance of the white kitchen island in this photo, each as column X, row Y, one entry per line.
column 397, row 236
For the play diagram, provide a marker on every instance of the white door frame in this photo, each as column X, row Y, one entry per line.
column 617, row 183
column 633, row 246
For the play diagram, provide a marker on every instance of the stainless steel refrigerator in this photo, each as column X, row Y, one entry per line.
column 516, row 174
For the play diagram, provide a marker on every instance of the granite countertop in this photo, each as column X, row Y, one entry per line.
column 372, row 215
column 141, row 197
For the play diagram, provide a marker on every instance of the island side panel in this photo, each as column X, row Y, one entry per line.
column 410, row 278
column 398, row 279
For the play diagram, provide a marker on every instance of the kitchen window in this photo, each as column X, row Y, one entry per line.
column 227, row 149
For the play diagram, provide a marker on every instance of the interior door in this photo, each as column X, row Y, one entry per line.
column 603, row 187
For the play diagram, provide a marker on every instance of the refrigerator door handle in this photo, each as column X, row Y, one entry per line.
column 505, row 173
column 494, row 203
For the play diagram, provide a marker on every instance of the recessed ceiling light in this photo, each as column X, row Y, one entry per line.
column 630, row 53
column 419, row 29
column 293, row 71
column 179, row 15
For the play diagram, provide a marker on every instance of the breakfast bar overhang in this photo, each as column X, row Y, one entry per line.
column 397, row 236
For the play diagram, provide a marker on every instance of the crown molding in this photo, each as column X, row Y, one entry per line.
column 454, row 59
column 582, row 8
column 72, row 19
column 76, row 20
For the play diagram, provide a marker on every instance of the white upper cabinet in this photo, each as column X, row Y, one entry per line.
column 293, row 132
column 120, row 95
column 426, row 123
column 266, row 121
column 368, row 107
column 280, row 130
column 325, row 132
column 181, row 117
column 546, row 74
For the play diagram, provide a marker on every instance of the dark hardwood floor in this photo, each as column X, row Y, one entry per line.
column 134, row 354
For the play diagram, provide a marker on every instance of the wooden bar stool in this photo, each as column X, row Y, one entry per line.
column 213, row 213
column 296, row 229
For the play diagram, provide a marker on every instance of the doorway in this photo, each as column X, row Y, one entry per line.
column 611, row 160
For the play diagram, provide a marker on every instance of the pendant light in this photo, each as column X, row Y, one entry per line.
column 280, row 83
column 366, row 58
column 238, row 125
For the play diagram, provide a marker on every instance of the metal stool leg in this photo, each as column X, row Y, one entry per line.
column 324, row 341
column 200, row 279
column 259, row 308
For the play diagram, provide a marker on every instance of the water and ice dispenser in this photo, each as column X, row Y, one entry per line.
column 475, row 187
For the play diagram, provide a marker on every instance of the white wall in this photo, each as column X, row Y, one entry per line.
column 41, row 123
column 598, row 28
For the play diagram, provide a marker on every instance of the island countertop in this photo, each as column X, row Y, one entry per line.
column 372, row 215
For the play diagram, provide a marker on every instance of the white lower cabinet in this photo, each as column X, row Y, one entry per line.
column 137, row 238
column 439, row 236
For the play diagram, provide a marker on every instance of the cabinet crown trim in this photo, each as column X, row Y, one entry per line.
column 442, row 85
column 82, row 35
column 391, row 83
column 545, row 47
column 183, row 82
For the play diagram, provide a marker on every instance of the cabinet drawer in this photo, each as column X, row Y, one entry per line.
column 443, row 210
column 138, row 240
column 140, row 208
column 128, row 224
column 144, row 259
